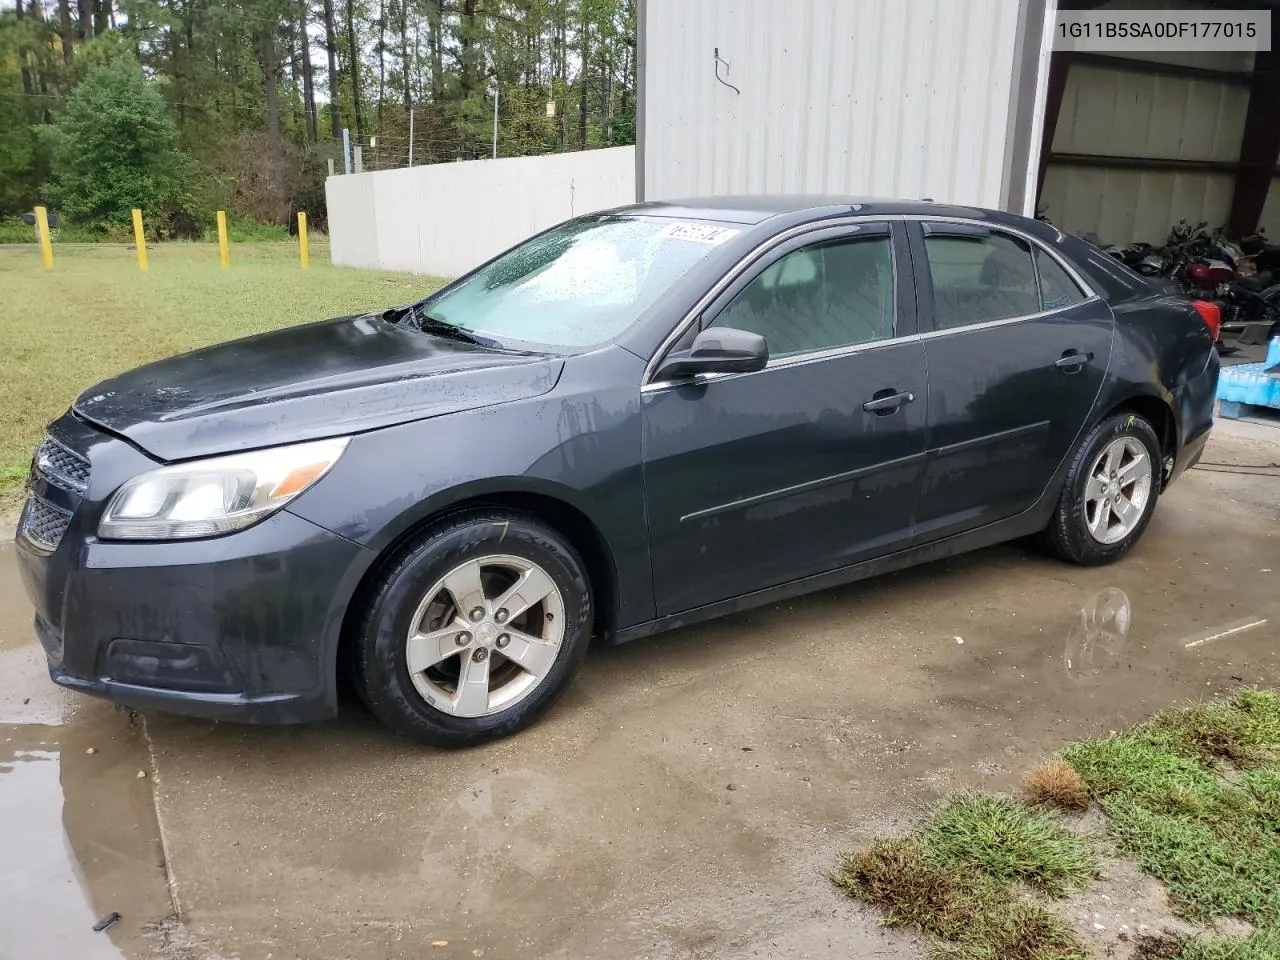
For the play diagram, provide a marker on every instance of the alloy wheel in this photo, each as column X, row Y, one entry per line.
column 1119, row 487
column 485, row 635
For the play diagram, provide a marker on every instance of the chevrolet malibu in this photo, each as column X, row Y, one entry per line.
column 637, row 420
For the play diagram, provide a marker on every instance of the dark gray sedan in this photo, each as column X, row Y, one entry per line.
column 639, row 419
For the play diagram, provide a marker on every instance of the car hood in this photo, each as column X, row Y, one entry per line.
column 318, row 380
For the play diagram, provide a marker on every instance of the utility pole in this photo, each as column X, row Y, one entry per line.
column 495, row 118
column 411, row 136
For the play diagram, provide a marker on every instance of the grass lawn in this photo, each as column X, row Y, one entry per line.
column 95, row 314
column 1193, row 796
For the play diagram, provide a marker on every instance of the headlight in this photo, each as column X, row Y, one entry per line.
column 207, row 497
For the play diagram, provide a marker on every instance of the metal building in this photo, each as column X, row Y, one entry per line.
column 955, row 100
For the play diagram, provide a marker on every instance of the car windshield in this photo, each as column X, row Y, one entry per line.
column 579, row 284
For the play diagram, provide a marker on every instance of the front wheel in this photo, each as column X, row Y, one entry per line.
column 1110, row 493
column 474, row 630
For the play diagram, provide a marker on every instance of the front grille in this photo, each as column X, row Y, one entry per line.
column 43, row 524
column 61, row 467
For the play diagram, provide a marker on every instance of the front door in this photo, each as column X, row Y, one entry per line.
column 1017, row 352
column 812, row 463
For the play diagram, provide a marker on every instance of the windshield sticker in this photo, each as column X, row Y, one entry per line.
column 698, row 233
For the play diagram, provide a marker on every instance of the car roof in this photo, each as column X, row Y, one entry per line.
column 754, row 209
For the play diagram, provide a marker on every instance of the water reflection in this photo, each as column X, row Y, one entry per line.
column 46, row 912
column 1099, row 635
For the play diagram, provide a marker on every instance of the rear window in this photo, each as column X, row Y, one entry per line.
column 1113, row 280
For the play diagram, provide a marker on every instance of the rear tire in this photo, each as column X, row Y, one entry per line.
column 1110, row 493
column 439, row 657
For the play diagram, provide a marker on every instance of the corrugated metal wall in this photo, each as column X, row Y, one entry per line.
column 1116, row 112
column 445, row 218
column 907, row 98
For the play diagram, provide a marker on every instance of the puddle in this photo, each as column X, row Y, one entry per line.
column 40, row 885
column 78, row 840
column 1099, row 635
column 78, row 831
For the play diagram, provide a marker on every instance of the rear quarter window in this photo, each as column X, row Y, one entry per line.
column 1057, row 290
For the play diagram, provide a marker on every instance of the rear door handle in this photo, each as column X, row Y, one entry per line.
column 1072, row 361
column 885, row 402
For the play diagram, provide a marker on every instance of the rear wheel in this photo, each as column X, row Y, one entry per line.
column 1110, row 493
column 474, row 630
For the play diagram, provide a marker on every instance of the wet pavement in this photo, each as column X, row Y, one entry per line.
column 78, row 831
column 683, row 800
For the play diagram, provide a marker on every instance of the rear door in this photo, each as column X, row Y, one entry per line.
column 812, row 463
column 1017, row 349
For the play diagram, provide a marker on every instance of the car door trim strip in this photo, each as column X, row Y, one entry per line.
column 806, row 487
column 986, row 438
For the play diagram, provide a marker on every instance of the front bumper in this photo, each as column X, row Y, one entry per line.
column 240, row 627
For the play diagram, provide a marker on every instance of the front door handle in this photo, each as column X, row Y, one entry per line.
column 885, row 402
column 1072, row 361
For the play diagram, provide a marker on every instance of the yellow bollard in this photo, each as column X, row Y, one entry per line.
column 139, row 240
column 303, row 254
column 42, row 231
column 223, row 256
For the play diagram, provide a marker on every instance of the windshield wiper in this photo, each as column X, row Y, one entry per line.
column 423, row 322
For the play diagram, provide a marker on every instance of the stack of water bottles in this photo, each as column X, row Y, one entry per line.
column 1253, row 383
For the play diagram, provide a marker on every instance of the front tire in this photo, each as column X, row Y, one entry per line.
column 473, row 630
column 1110, row 493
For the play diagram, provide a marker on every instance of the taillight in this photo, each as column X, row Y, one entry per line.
column 1210, row 314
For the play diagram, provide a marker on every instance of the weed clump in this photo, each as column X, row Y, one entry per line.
column 1055, row 784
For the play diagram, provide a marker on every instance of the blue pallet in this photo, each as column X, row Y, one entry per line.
column 1231, row 410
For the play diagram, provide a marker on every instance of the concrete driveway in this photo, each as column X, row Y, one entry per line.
column 683, row 800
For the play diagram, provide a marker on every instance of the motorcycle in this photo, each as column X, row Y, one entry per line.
column 1207, row 266
column 1264, row 279
column 1242, row 279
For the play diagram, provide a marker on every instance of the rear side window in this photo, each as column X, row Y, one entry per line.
column 833, row 294
column 1057, row 289
column 980, row 278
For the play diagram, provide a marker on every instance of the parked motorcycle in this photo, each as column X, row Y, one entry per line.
column 1210, row 267
column 1265, row 278
column 1241, row 279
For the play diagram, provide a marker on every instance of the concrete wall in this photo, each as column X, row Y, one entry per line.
column 909, row 98
column 446, row 218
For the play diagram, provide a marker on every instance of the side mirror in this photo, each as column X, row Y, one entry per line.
column 717, row 350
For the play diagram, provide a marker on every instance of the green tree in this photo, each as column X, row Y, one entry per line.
column 114, row 147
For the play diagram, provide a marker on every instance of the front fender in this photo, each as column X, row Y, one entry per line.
column 580, row 444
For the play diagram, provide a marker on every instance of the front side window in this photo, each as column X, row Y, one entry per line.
column 833, row 294
column 581, row 283
column 980, row 278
